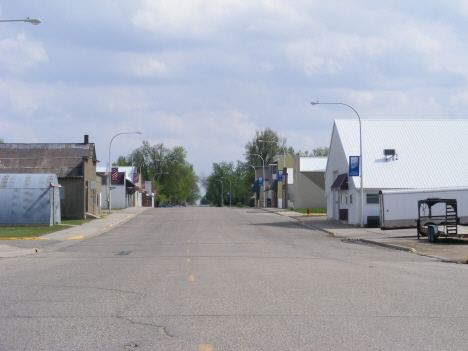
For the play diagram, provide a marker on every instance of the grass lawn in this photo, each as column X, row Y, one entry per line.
column 28, row 232
column 31, row 232
column 312, row 210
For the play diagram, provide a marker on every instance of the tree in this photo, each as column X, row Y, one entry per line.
column 1, row 141
column 320, row 151
column 173, row 176
column 262, row 145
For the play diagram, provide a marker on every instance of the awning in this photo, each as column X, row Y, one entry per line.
column 341, row 182
column 274, row 185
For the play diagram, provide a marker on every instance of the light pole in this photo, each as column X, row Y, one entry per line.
column 34, row 21
column 284, row 150
column 110, row 171
column 263, row 162
column 360, row 151
column 222, row 191
column 254, row 177
column 230, row 191
column 284, row 161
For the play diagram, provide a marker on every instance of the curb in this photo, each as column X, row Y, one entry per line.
column 376, row 243
column 24, row 252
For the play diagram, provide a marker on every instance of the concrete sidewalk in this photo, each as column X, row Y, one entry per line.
column 49, row 242
column 449, row 250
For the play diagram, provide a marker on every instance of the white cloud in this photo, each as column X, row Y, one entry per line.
column 20, row 55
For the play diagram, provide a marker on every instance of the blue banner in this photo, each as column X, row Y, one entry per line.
column 354, row 166
column 260, row 181
column 228, row 194
column 280, row 176
column 252, row 188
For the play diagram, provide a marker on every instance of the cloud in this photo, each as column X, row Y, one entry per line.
column 19, row 55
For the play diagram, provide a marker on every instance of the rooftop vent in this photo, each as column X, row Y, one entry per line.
column 390, row 154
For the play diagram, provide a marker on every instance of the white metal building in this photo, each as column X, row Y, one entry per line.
column 426, row 154
column 309, row 182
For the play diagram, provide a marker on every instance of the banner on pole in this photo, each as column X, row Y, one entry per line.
column 354, row 166
column 280, row 176
column 115, row 174
column 136, row 177
column 260, row 181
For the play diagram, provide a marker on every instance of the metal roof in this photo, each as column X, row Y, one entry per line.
column 429, row 153
column 27, row 181
column 64, row 160
column 313, row 163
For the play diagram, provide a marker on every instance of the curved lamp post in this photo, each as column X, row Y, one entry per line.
column 245, row 164
column 284, row 150
column 263, row 162
column 110, row 171
column 222, row 191
column 360, row 151
column 34, row 21
column 230, row 191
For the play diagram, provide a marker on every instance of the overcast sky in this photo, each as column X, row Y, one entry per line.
column 205, row 74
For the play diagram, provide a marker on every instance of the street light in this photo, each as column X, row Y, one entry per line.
column 230, row 191
column 254, row 176
column 110, row 169
column 284, row 150
column 360, row 151
column 222, row 191
column 34, row 21
column 284, row 158
column 263, row 162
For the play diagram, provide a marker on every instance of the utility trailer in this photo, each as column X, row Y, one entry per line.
column 436, row 212
column 398, row 207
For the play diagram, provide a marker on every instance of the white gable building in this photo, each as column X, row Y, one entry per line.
column 427, row 154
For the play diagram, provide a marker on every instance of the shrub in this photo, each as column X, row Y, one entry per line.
column 240, row 204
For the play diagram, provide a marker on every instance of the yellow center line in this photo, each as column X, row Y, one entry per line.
column 188, row 250
column 205, row 347
column 188, row 259
column 191, row 278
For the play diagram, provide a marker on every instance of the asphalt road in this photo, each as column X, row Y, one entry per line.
column 219, row 279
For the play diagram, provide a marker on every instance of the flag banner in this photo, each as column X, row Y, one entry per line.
column 115, row 174
column 354, row 166
column 155, row 192
column 143, row 185
column 136, row 177
column 260, row 181
column 280, row 176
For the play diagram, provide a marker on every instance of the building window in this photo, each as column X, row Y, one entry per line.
column 351, row 199
column 372, row 198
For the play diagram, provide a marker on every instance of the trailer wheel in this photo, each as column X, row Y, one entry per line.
column 431, row 235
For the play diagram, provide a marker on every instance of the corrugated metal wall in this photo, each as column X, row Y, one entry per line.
column 29, row 199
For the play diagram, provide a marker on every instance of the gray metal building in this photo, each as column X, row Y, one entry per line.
column 29, row 200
